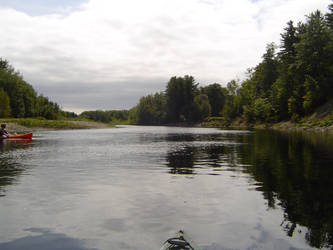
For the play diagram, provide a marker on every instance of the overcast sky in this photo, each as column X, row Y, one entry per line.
column 106, row 54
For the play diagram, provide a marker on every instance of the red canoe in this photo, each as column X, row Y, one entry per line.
column 21, row 136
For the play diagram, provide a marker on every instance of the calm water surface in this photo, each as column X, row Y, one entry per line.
column 133, row 187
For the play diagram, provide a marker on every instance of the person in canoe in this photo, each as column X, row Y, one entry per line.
column 3, row 131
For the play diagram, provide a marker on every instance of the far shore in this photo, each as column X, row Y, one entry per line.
column 34, row 125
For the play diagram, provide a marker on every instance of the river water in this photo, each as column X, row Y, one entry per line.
column 133, row 187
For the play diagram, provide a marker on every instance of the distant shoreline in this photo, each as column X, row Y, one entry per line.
column 33, row 125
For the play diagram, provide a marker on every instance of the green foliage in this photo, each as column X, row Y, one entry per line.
column 288, row 40
column 24, row 101
column 233, row 104
column 45, row 123
column 293, row 107
column 279, row 99
column 311, row 94
column 69, row 115
column 132, row 116
column 41, row 122
column 47, row 109
column 109, row 116
column 150, row 110
column 201, row 108
column 291, row 83
column 216, row 96
column 4, row 104
column 182, row 102
column 262, row 109
column 180, row 93
column 313, row 55
column 248, row 113
column 269, row 69
column 214, row 122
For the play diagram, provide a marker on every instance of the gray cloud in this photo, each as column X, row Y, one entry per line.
column 114, row 95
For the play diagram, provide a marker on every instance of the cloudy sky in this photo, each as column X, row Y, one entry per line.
column 106, row 54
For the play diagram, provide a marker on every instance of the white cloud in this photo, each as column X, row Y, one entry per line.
column 122, row 45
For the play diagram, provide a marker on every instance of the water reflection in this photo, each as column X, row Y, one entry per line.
column 293, row 171
column 45, row 240
column 181, row 161
column 217, row 152
column 296, row 175
column 10, row 163
column 84, row 180
column 8, row 145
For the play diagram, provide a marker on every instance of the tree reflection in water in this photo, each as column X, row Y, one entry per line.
column 182, row 161
column 293, row 172
column 201, row 151
column 296, row 174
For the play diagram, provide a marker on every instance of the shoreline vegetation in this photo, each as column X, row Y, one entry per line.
column 310, row 124
column 23, row 125
column 321, row 120
column 306, row 125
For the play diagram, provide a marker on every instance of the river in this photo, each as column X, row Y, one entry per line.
column 133, row 187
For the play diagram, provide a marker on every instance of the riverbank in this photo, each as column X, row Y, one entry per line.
column 321, row 120
column 305, row 124
column 22, row 125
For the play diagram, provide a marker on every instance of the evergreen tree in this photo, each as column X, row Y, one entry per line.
column 180, row 93
column 283, row 87
column 329, row 16
column 313, row 56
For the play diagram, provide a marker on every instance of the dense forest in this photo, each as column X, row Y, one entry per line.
column 290, row 82
column 18, row 98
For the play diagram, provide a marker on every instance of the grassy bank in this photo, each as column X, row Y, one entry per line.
column 34, row 124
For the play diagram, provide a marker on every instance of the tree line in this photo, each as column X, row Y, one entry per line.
column 290, row 82
column 18, row 98
column 105, row 116
column 183, row 101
